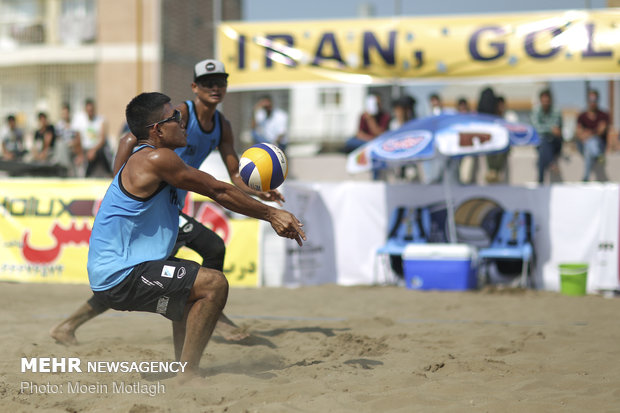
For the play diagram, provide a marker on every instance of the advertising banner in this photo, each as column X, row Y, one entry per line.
column 45, row 228
column 562, row 43
column 571, row 223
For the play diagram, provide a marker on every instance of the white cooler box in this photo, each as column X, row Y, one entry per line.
column 440, row 267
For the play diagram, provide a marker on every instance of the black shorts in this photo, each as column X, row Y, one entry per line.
column 161, row 287
column 195, row 236
column 189, row 229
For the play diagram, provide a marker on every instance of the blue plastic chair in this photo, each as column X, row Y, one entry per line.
column 512, row 240
column 407, row 225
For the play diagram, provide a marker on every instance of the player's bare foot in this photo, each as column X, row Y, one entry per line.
column 188, row 378
column 63, row 335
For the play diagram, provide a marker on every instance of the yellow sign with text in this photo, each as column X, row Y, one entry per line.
column 45, row 228
column 565, row 43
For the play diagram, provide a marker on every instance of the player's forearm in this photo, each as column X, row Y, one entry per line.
column 234, row 199
column 227, row 195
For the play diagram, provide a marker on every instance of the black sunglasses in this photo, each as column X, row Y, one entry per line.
column 211, row 83
column 176, row 117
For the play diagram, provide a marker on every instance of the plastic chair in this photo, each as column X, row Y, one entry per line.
column 406, row 225
column 512, row 240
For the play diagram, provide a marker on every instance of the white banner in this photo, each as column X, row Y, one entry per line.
column 573, row 223
column 315, row 262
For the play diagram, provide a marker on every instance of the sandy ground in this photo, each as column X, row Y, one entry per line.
column 333, row 349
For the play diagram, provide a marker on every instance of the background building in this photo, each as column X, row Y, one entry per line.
column 56, row 51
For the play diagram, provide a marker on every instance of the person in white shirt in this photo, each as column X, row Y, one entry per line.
column 92, row 131
column 269, row 124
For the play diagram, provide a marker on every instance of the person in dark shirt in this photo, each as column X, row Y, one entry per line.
column 44, row 139
column 592, row 135
column 373, row 122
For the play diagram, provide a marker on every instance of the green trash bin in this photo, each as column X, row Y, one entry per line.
column 573, row 278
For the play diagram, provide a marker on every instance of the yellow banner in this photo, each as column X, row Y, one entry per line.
column 45, row 227
column 241, row 263
column 565, row 43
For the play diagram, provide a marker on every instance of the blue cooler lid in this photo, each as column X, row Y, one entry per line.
column 439, row 251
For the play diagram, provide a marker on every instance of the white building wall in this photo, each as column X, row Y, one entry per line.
column 314, row 122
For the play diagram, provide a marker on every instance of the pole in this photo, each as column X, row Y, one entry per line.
column 448, row 174
column 396, row 91
column 587, row 82
column 139, row 58
column 217, row 19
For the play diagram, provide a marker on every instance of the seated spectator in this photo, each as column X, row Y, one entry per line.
column 508, row 114
column 373, row 122
column 12, row 137
column 548, row 123
column 44, row 139
column 403, row 110
column 592, row 130
column 462, row 105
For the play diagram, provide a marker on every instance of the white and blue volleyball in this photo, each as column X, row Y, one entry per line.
column 263, row 167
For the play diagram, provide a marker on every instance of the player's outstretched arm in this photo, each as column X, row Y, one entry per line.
column 168, row 167
column 231, row 160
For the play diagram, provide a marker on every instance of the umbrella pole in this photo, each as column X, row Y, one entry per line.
column 448, row 174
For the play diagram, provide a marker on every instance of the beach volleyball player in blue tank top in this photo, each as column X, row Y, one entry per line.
column 207, row 129
column 129, row 263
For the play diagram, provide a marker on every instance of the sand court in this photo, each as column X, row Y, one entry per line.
column 332, row 349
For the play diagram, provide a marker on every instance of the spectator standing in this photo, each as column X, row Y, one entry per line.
column 68, row 149
column 403, row 110
column 13, row 147
column 496, row 163
column 269, row 124
column 592, row 127
column 548, row 124
column 92, row 132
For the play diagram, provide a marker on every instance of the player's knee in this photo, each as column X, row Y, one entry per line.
column 211, row 285
column 221, row 285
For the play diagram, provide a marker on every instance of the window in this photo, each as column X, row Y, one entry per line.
column 21, row 22
column 77, row 22
column 329, row 97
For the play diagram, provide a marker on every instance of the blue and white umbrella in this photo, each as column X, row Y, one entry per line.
column 448, row 135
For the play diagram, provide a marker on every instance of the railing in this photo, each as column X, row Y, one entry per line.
column 14, row 34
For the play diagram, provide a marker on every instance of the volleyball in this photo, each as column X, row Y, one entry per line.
column 263, row 167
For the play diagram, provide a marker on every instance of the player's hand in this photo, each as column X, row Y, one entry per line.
column 272, row 196
column 287, row 225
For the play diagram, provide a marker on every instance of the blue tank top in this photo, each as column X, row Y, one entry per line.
column 199, row 143
column 129, row 230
